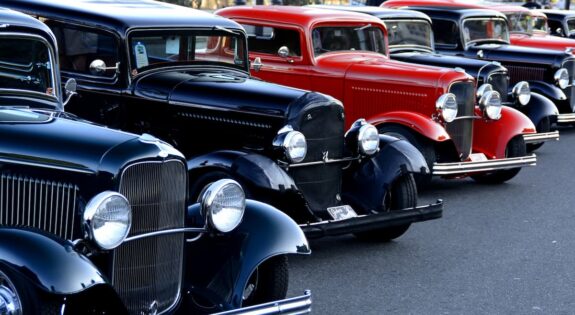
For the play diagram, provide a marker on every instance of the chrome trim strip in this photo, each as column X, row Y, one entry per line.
column 565, row 118
column 540, row 137
column 54, row 167
column 164, row 232
column 294, row 306
column 483, row 166
column 328, row 161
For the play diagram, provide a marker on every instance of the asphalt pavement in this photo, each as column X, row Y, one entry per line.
column 500, row 249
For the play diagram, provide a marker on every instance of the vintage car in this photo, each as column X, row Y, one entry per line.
column 183, row 75
column 560, row 22
column 410, row 39
column 345, row 54
column 97, row 221
column 483, row 34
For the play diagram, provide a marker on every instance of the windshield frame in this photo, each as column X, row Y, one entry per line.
column 467, row 44
column 53, row 69
column 346, row 24
column 521, row 15
column 396, row 48
column 221, row 31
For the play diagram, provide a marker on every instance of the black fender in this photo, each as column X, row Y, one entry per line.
column 251, row 169
column 366, row 185
column 538, row 108
column 218, row 266
column 552, row 92
column 51, row 264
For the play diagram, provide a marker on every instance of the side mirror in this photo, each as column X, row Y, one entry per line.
column 257, row 64
column 98, row 67
column 70, row 90
column 283, row 52
column 559, row 31
column 480, row 54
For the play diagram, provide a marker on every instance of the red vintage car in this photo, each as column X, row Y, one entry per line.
column 345, row 54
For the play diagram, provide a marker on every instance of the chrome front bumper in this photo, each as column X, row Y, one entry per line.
column 541, row 137
column 566, row 118
column 292, row 306
column 460, row 168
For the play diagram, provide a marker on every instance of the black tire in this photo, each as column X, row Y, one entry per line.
column 423, row 145
column 403, row 195
column 543, row 126
column 515, row 148
column 198, row 185
column 269, row 282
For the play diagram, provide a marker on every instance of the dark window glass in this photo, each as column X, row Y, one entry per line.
column 268, row 40
column 342, row 38
column 445, row 32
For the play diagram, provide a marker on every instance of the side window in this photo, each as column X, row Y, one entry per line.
column 554, row 25
column 268, row 40
column 78, row 47
column 446, row 33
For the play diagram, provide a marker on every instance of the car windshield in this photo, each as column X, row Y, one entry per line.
column 520, row 23
column 540, row 24
column 409, row 34
column 485, row 30
column 346, row 38
column 571, row 26
column 26, row 65
column 176, row 47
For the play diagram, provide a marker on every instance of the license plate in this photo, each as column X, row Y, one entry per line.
column 477, row 157
column 341, row 212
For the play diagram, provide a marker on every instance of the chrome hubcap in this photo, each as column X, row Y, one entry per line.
column 9, row 301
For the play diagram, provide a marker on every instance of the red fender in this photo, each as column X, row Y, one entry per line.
column 422, row 124
column 490, row 137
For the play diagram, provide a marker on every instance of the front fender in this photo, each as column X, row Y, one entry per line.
column 548, row 90
column 51, row 264
column 422, row 124
column 219, row 266
column 490, row 137
column 538, row 108
column 252, row 169
column 366, row 185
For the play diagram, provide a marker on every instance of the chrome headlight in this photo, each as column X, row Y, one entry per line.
column 490, row 103
column 561, row 78
column 522, row 92
column 447, row 106
column 368, row 139
column 483, row 89
column 292, row 143
column 108, row 218
column 224, row 202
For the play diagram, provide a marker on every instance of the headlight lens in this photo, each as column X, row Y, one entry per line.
column 447, row 106
column 522, row 92
column 490, row 103
column 224, row 202
column 483, row 89
column 368, row 139
column 562, row 78
column 292, row 143
column 108, row 218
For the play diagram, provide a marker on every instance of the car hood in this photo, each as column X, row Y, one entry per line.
column 543, row 41
column 55, row 140
column 217, row 90
column 472, row 67
column 514, row 54
column 376, row 67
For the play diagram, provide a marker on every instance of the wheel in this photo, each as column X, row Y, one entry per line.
column 403, row 194
column 423, row 145
column 543, row 126
column 198, row 185
column 17, row 297
column 269, row 282
column 515, row 148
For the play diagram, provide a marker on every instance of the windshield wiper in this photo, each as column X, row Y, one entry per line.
column 362, row 28
column 223, row 29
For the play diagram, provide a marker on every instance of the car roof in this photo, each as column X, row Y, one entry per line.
column 382, row 13
column 557, row 13
column 120, row 15
column 458, row 13
column 12, row 18
column 305, row 16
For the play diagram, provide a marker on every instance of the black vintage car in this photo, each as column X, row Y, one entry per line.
column 410, row 39
column 97, row 221
column 183, row 75
column 560, row 22
column 483, row 34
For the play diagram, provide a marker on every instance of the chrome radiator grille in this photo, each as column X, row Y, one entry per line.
column 500, row 83
column 46, row 205
column 148, row 271
column 570, row 91
column 522, row 73
column 461, row 130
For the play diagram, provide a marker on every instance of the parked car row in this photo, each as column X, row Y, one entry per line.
column 252, row 150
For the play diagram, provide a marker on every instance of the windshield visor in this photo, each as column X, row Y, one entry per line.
column 485, row 30
column 346, row 38
column 409, row 34
column 171, row 48
column 26, row 65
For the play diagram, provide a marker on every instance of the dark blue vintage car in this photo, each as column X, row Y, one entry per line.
column 183, row 75
column 410, row 39
column 97, row 221
column 561, row 22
